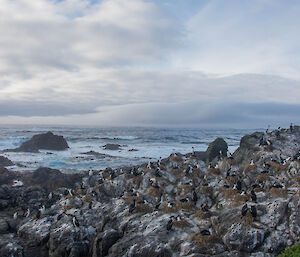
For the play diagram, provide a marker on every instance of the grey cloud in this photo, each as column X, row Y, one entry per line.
column 206, row 114
column 42, row 108
column 120, row 87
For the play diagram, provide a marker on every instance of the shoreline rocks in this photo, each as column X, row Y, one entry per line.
column 5, row 162
column 244, row 205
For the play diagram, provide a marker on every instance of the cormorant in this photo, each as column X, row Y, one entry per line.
column 205, row 232
column 75, row 222
column 244, row 209
column 239, row 185
column 253, row 211
column 132, row 206
column 253, row 196
column 195, row 197
column 170, row 224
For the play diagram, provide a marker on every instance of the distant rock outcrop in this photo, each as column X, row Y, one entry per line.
column 4, row 162
column 111, row 147
column 216, row 148
column 47, row 141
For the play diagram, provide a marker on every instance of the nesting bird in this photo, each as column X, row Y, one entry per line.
column 170, row 224
column 195, row 197
column 253, row 196
column 244, row 209
column 132, row 206
column 205, row 232
column 27, row 214
column 75, row 222
column 253, row 211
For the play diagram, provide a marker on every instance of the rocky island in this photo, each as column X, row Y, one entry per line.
column 197, row 204
column 47, row 141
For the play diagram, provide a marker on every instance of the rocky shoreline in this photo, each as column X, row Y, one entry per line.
column 198, row 204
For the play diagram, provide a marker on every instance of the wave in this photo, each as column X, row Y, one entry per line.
column 194, row 142
column 117, row 138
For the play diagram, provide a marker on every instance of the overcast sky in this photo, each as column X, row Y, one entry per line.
column 199, row 63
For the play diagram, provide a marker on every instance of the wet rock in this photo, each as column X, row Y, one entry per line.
column 217, row 148
column 4, row 161
column 112, row 147
column 133, row 150
column 47, row 141
column 98, row 155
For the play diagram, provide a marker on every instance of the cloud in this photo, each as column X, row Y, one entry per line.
column 71, row 34
column 101, row 61
column 186, row 114
column 92, row 89
column 230, row 37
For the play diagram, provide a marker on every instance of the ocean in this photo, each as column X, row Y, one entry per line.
column 148, row 144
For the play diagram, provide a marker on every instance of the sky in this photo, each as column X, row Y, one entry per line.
column 192, row 63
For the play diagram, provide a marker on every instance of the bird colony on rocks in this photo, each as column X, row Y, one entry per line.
column 241, row 204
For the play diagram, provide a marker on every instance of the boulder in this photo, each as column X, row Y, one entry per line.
column 51, row 179
column 10, row 246
column 3, row 226
column 5, row 161
column 111, row 147
column 6, row 176
column 215, row 148
column 248, row 146
column 105, row 241
column 47, row 141
column 36, row 235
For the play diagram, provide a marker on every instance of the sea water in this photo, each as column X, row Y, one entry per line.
column 148, row 144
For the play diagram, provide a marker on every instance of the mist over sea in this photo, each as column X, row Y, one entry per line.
column 148, row 144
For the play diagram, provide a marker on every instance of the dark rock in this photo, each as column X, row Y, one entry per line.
column 111, row 147
column 5, row 161
column 10, row 246
column 51, row 179
column 248, row 146
column 47, row 141
column 6, row 176
column 104, row 242
column 214, row 149
column 98, row 155
column 132, row 150
column 201, row 155
column 252, row 239
column 3, row 226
